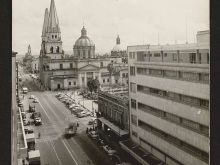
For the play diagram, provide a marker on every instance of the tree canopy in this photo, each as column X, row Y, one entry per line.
column 93, row 85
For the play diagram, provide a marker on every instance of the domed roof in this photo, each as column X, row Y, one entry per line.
column 116, row 48
column 84, row 40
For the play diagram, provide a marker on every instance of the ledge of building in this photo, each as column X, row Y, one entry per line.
column 144, row 157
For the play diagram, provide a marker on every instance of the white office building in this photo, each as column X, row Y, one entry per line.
column 169, row 101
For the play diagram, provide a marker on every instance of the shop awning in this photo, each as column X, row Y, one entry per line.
column 113, row 127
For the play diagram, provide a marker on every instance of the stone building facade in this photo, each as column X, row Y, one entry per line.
column 113, row 113
column 60, row 72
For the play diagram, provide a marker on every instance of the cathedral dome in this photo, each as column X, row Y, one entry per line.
column 116, row 48
column 83, row 40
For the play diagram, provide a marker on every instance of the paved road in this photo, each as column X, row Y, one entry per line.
column 54, row 148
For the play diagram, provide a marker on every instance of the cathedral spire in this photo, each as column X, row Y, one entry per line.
column 53, row 23
column 118, row 40
column 45, row 23
column 29, row 49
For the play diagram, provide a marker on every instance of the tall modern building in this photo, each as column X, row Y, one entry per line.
column 169, row 101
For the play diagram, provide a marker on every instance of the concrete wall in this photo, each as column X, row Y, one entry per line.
column 184, row 134
column 197, row 90
column 181, row 110
column 170, row 149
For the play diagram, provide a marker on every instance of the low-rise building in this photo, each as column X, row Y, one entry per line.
column 18, row 140
column 35, row 65
column 113, row 113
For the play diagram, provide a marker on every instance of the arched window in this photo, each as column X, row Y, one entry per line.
column 55, row 36
column 51, row 49
column 78, row 53
column 57, row 49
column 52, row 36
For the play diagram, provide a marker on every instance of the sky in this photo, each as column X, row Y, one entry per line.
column 135, row 21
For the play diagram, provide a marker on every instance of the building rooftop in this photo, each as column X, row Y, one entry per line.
column 118, row 92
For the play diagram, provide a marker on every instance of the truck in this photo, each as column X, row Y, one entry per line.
column 34, row 157
column 71, row 130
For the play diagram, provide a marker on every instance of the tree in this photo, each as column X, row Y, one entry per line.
column 95, row 84
column 90, row 86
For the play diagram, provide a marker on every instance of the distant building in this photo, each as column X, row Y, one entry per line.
column 169, row 101
column 28, row 56
column 117, row 53
column 58, row 71
column 113, row 113
column 18, row 139
column 35, row 65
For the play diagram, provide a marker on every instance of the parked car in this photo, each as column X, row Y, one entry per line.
column 28, row 130
column 31, row 97
column 116, row 159
column 26, row 122
column 37, row 121
column 101, row 142
column 79, row 115
column 32, row 108
column 93, row 134
column 20, row 104
column 35, row 115
column 109, row 150
column 35, row 101
column 91, row 122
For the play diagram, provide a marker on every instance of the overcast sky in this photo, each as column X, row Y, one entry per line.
column 136, row 21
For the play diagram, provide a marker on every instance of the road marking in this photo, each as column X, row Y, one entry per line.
column 69, row 152
column 51, row 142
column 58, row 133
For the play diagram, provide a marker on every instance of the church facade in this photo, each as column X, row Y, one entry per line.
column 58, row 71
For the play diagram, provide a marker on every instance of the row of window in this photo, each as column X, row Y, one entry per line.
column 154, row 148
column 54, row 36
column 54, row 51
column 182, row 75
column 190, row 57
column 74, row 83
column 84, row 53
column 132, row 55
column 193, row 101
column 125, row 75
column 199, row 128
column 204, row 156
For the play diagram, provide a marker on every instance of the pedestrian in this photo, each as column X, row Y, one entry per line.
column 87, row 130
column 39, row 135
column 77, row 124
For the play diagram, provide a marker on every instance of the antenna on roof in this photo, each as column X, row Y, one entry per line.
column 186, row 32
column 158, row 38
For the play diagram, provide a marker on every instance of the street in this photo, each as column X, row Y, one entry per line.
column 54, row 148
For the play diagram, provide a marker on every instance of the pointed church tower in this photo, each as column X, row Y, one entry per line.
column 53, row 22
column 45, row 24
column 118, row 40
column 51, row 37
column 29, row 50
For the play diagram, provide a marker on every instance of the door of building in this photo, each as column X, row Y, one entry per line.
column 58, row 86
